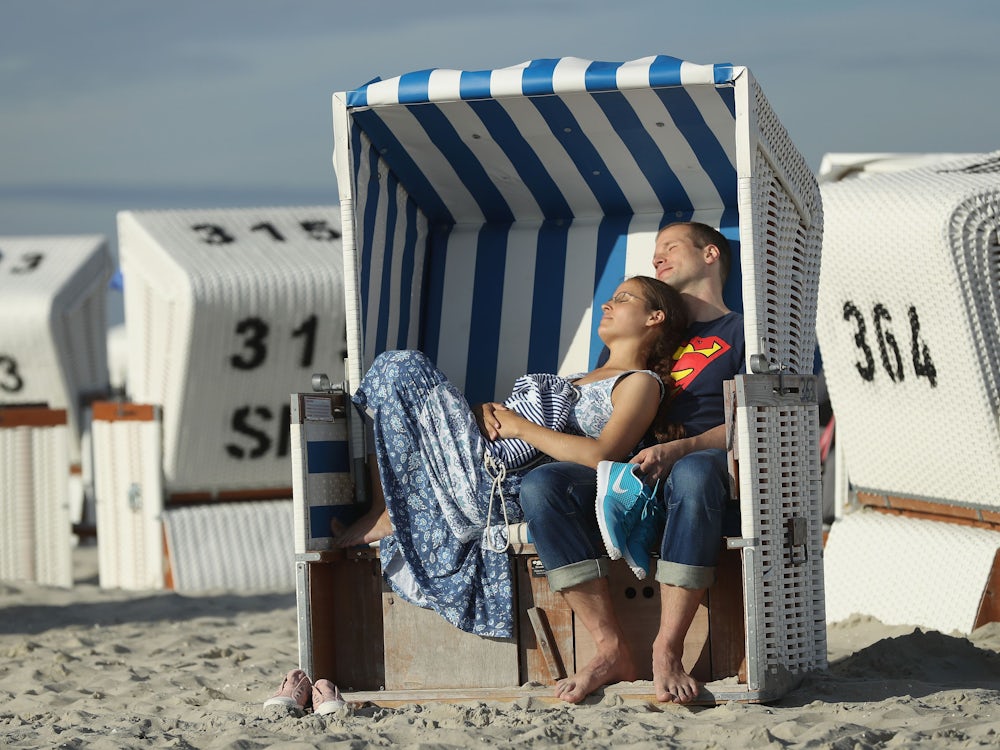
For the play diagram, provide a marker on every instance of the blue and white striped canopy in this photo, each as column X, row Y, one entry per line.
column 493, row 211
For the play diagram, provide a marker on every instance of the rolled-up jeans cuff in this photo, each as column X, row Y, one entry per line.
column 576, row 573
column 684, row 576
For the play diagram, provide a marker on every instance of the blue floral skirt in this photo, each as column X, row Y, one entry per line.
column 438, row 495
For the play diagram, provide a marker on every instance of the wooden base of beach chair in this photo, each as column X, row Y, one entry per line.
column 983, row 518
column 380, row 648
column 557, row 645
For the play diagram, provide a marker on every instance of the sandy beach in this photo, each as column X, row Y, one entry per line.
column 109, row 669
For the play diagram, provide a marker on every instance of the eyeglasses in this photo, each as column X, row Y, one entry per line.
column 623, row 296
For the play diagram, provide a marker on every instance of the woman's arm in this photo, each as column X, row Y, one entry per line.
column 635, row 400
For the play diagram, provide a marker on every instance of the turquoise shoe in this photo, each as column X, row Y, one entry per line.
column 645, row 537
column 622, row 498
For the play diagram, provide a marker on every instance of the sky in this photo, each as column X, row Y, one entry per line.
column 108, row 105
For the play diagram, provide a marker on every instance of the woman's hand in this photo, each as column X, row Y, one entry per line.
column 511, row 423
column 485, row 415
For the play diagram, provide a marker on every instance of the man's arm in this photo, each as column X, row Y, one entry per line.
column 657, row 460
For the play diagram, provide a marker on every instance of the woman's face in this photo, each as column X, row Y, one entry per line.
column 627, row 313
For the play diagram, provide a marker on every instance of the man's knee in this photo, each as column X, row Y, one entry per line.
column 701, row 476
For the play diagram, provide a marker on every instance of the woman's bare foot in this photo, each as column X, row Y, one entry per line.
column 671, row 682
column 371, row 527
column 603, row 669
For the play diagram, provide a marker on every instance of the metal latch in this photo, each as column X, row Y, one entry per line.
column 321, row 384
column 135, row 496
column 797, row 536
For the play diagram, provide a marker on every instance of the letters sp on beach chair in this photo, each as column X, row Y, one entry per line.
column 909, row 326
column 224, row 309
column 486, row 216
column 53, row 363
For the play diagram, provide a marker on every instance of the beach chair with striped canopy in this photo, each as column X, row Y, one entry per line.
column 486, row 215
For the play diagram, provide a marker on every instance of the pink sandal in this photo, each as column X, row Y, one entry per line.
column 294, row 691
column 326, row 697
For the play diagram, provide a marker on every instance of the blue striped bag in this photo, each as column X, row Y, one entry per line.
column 544, row 399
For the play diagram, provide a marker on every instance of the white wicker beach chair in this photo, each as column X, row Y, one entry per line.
column 52, row 355
column 910, row 332
column 225, row 309
column 486, row 215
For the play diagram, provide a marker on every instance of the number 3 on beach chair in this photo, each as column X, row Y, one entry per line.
column 486, row 215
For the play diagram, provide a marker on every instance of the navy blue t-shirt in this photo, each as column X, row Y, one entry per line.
column 714, row 351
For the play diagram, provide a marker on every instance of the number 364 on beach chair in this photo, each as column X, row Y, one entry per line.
column 486, row 215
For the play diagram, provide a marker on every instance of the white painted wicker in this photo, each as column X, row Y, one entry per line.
column 35, row 527
column 907, row 571
column 128, row 490
column 910, row 329
column 231, row 546
column 782, row 527
column 322, row 483
column 780, row 199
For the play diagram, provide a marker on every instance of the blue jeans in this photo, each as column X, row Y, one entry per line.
column 559, row 502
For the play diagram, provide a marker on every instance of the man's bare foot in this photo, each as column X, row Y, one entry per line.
column 371, row 527
column 603, row 669
column 671, row 682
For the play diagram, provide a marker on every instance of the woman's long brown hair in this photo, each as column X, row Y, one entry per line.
column 660, row 296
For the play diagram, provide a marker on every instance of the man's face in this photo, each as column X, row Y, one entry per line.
column 676, row 260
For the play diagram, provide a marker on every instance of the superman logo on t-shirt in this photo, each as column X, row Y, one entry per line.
column 691, row 359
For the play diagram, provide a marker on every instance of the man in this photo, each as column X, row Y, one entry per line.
column 559, row 499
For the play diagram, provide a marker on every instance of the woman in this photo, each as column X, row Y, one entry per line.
column 434, row 518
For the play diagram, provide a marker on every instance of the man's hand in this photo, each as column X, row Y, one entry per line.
column 656, row 461
column 485, row 415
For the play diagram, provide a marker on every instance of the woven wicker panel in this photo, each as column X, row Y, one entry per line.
column 910, row 329
column 235, row 546
column 322, row 485
column 227, row 312
column 780, row 205
column 128, row 491
column 778, row 438
column 906, row 571
column 53, row 307
column 35, row 528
